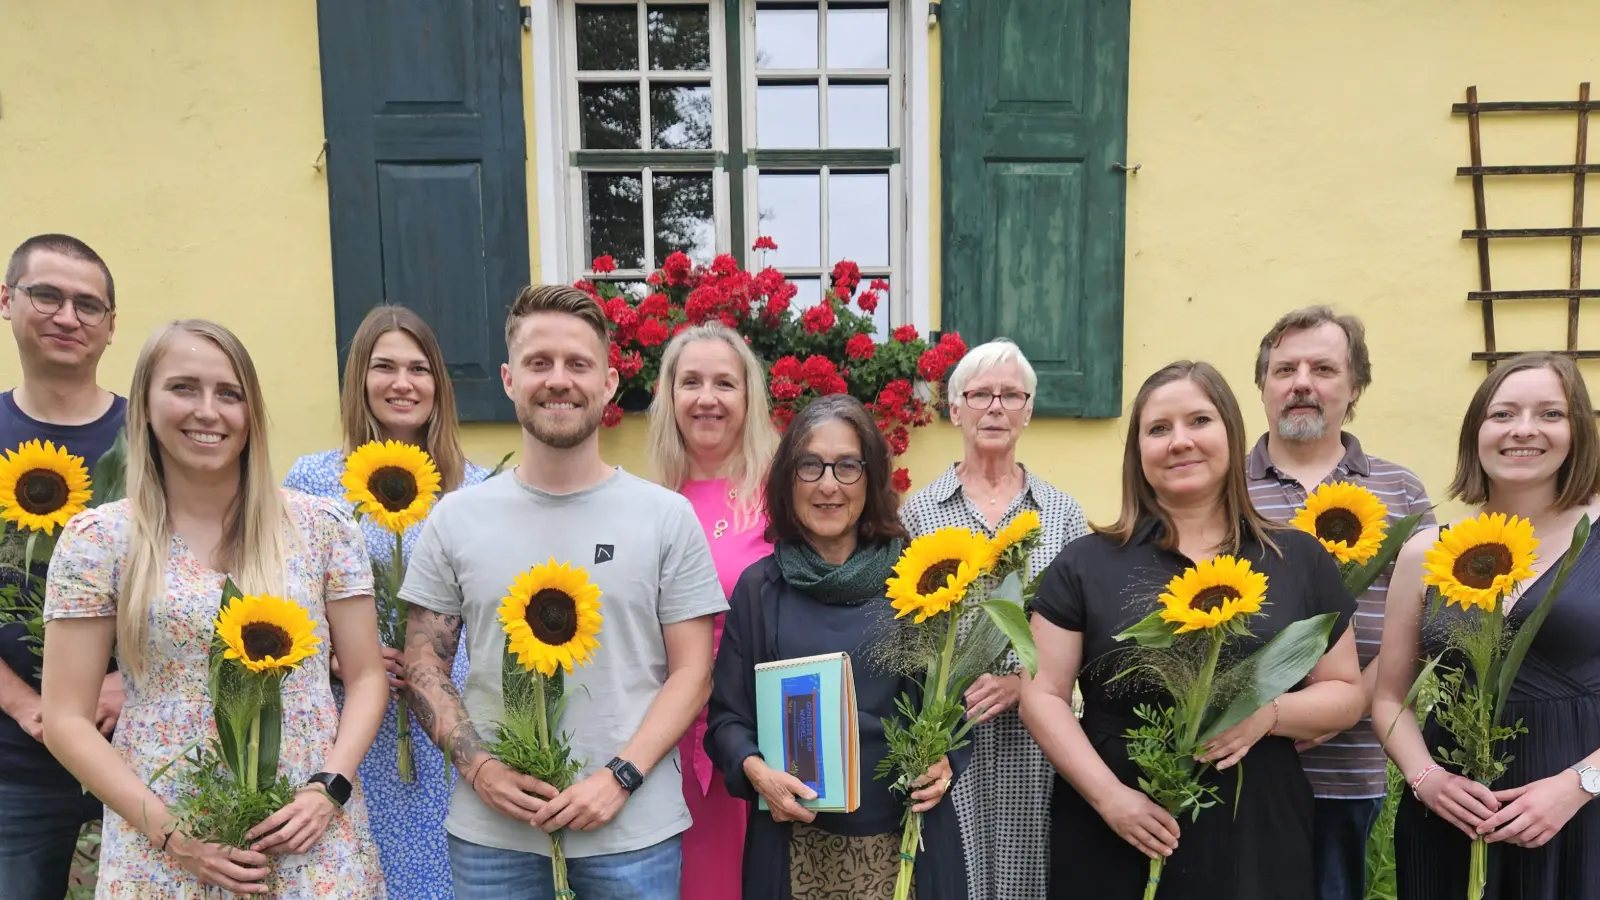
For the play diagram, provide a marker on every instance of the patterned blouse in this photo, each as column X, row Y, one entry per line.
column 169, row 706
column 1003, row 797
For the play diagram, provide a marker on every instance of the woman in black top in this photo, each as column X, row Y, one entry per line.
column 1184, row 499
column 832, row 517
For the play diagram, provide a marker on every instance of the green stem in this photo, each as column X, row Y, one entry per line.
column 253, row 754
column 558, row 869
column 1202, row 691
column 541, row 718
column 405, row 758
column 1154, row 883
column 1478, row 870
column 910, row 840
column 948, row 654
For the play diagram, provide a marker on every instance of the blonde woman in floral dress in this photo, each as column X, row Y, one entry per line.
column 144, row 577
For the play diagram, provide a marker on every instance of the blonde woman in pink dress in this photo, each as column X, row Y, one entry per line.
column 712, row 439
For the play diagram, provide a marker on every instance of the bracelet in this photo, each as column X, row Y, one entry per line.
column 1421, row 777
column 167, row 839
column 1273, row 730
column 472, row 779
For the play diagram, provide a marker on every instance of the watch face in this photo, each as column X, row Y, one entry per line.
column 1591, row 780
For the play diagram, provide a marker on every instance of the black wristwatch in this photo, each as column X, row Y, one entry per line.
column 627, row 774
column 337, row 786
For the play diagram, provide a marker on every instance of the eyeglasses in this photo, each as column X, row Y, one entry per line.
column 845, row 471
column 1012, row 400
column 47, row 299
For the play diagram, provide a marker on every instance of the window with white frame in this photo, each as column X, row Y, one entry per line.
column 699, row 126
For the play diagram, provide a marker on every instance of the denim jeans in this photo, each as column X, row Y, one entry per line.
column 38, row 835
column 487, row 873
column 1339, row 846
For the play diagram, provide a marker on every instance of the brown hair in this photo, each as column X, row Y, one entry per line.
column 1579, row 476
column 441, row 436
column 880, row 516
column 65, row 245
column 1139, row 498
column 1309, row 317
column 558, row 298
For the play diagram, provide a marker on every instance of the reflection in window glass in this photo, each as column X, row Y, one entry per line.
column 680, row 38
column 685, row 217
column 638, row 290
column 790, row 211
column 858, row 218
column 680, row 117
column 786, row 38
column 786, row 116
column 608, row 38
column 858, row 115
column 858, row 38
column 613, row 212
column 608, row 116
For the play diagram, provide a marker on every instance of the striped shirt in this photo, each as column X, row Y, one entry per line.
column 1352, row 765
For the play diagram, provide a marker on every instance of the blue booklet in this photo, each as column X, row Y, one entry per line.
column 806, row 725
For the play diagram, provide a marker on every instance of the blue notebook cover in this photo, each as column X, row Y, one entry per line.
column 806, row 725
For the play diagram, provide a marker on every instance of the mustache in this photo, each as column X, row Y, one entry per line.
column 1300, row 399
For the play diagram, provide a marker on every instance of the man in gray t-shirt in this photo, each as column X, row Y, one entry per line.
column 642, row 546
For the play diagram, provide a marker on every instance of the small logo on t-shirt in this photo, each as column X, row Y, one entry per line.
column 603, row 553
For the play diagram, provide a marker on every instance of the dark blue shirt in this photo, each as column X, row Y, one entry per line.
column 24, row 760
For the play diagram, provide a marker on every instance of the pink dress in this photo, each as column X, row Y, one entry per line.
column 713, row 847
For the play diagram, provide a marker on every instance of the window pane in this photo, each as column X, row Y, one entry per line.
column 680, row 38
column 786, row 115
column 613, row 212
column 880, row 316
column 786, row 38
column 808, row 293
column 685, row 219
column 858, row 218
column 608, row 116
column 790, row 210
column 858, row 115
column 608, row 38
column 858, row 38
column 680, row 117
column 638, row 290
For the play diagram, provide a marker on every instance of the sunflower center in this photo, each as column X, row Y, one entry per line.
column 1340, row 526
column 1478, row 567
column 553, row 617
column 1213, row 597
column 936, row 575
column 394, row 487
column 41, row 491
column 263, row 639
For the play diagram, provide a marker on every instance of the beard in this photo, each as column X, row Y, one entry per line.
column 1302, row 426
column 559, row 436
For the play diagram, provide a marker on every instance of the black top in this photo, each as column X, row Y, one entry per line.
column 1262, row 849
column 24, row 760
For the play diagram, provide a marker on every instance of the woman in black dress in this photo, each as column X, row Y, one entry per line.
column 1184, row 499
column 1528, row 447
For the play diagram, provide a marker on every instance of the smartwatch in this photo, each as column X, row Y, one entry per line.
column 627, row 774
column 337, row 786
column 1589, row 777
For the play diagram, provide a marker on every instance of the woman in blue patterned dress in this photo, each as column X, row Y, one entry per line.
column 400, row 398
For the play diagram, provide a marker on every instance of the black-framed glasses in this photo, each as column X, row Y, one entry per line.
column 845, row 471
column 1012, row 400
column 47, row 299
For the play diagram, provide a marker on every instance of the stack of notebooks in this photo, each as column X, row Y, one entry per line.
column 806, row 725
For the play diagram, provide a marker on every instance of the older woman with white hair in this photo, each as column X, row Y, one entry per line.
column 1003, row 798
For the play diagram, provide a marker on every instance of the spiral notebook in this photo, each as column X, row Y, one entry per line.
column 806, row 724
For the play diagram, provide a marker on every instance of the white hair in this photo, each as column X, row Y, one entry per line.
column 984, row 357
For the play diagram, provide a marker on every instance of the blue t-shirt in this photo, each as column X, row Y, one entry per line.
column 24, row 760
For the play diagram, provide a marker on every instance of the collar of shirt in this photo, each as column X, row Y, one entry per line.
column 948, row 486
column 1354, row 462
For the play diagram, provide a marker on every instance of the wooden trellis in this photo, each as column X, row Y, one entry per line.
column 1573, row 293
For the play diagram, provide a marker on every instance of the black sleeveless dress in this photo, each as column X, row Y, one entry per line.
column 1557, row 697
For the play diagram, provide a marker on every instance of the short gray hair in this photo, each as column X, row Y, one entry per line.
column 984, row 357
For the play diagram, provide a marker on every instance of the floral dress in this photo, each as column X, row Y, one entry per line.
column 169, row 707
column 407, row 819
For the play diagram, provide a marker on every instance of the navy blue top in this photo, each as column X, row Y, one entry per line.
column 24, row 760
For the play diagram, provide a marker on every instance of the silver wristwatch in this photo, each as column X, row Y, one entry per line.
column 1589, row 777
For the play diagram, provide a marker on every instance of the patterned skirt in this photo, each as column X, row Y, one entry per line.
column 827, row 866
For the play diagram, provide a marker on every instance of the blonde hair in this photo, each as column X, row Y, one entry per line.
column 669, row 457
column 253, row 540
column 441, row 436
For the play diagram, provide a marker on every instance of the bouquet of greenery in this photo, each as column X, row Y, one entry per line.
column 1353, row 525
column 551, row 617
column 1478, row 565
column 1181, row 650
column 395, row 484
column 940, row 577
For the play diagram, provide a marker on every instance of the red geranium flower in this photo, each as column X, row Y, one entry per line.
column 818, row 318
column 905, row 334
column 724, row 265
column 899, row 439
column 878, row 284
column 933, row 364
column 951, row 345
column 786, row 367
column 860, row 347
column 902, row 480
column 677, row 268
column 846, row 275
column 651, row 332
column 603, row 264
column 629, row 364
column 654, row 280
column 702, row 303
column 656, row 305
column 612, row 416
column 782, row 416
column 868, row 301
column 769, row 281
column 818, row 371
column 834, row 384
column 777, row 305
column 784, row 389
column 765, row 243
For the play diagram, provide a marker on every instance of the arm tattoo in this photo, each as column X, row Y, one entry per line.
column 431, row 642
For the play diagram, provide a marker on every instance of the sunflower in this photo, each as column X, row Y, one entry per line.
column 551, row 617
column 1478, row 561
column 934, row 572
column 1212, row 593
column 42, row 486
column 1348, row 519
column 1025, row 525
column 393, row 482
column 267, row 633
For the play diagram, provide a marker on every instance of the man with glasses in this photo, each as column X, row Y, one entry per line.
column 60, row 300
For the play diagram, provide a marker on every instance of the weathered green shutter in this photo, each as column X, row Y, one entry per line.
column 1035, row 96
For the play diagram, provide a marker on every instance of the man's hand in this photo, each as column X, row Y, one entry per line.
column 109, row 710
column 28, row 709
column 585, row 806
column 510, row 793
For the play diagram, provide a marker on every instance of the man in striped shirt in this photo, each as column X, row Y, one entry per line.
column 1312, row 367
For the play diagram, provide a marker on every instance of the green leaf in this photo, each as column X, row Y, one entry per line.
column 1523, row 639
column 1152, row 632
column 1357, row 579
column 271, row 729
column 501, row 465
column 109, row 482
column 1414, row 692
column 1009, row 618
column 1268, row 672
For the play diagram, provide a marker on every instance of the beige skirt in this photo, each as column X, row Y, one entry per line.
column 826, row 866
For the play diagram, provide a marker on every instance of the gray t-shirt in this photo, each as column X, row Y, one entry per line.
column 642, row 546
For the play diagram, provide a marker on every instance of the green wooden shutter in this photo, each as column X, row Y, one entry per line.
column 1035, row 96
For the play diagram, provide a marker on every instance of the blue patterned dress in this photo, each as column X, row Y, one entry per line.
column 407, row 819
